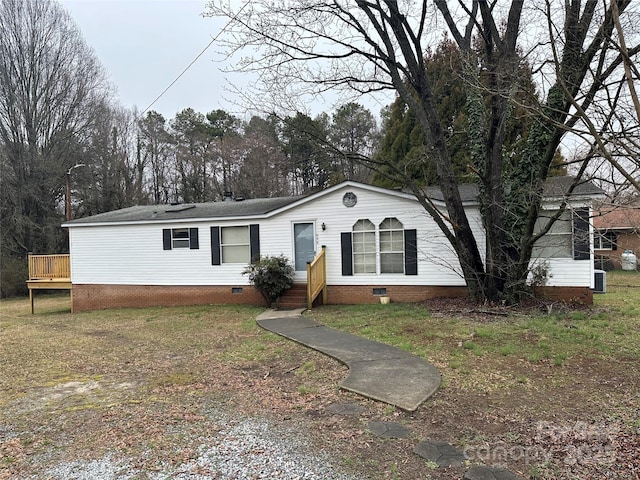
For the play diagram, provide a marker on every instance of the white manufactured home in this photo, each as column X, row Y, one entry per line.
column 374, row 242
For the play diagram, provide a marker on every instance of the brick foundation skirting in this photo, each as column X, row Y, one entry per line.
column 573, row 295
column 357, row 294
column 349, row 294
column 97, row 297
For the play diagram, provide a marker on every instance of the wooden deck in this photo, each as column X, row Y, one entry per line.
column 49, row 272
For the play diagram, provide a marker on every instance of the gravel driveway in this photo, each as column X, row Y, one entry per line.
column 247, row 448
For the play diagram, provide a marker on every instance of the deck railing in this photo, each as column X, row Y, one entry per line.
column 49, row 267
column 317, row 278
column 49, row 272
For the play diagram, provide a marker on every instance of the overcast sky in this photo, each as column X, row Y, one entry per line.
column 145, row 44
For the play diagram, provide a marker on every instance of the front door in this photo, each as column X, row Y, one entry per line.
column 304, row 247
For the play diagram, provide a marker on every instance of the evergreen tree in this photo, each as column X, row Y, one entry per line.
column 403, row 146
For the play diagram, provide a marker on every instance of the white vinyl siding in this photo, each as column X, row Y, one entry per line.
column 132, row 254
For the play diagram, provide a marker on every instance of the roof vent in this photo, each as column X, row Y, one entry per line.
column 179, row 208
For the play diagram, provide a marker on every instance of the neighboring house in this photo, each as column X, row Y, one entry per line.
column 616, row 230
column 378, row 242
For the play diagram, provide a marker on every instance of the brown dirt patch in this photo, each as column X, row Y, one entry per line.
column 155, row 402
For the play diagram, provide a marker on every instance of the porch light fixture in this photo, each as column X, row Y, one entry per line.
column 324, row 227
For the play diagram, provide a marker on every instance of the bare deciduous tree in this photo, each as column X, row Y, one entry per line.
column 363, row 45
column 50, row 85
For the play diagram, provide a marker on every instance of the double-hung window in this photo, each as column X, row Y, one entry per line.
column 391, row 246
column 569, row 237
column 180, row 238
column 604, row 241
column 364, row 247
column 235, row 244
column 557, row 242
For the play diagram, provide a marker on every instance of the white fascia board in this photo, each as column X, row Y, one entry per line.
column 167, row 222
column 573, row 202
column 346, row 185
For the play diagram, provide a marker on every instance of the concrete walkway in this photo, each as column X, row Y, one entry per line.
column 376, row 370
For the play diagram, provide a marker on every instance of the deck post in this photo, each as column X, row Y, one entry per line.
column 324, row 274
column 309, row 287
column 317, row 278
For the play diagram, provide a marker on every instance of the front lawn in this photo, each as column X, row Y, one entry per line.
column 548, row 395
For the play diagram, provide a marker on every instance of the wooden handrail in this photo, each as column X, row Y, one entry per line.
column 317, row 278
column 48, row 267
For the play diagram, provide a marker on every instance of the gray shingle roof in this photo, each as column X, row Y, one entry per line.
column 468, row 192
column 554, row 187
column 558, row 187
column 141, row 213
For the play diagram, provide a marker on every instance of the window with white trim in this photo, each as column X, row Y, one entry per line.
column 558, row 241
column 180, row 238
column 364, row 247
column 604, row 241
column 235, row 244
column 385, row 249
column 391, row 246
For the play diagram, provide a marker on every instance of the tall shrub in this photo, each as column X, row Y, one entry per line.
column 271, row 276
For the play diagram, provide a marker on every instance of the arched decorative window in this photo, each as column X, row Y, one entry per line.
column 387, row 248
column 364, row 247
column 391, row 246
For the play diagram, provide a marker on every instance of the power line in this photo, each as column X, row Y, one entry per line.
column 194, row 60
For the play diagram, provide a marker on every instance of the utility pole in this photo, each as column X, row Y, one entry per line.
column 67, row 205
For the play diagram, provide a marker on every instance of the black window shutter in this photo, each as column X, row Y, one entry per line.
column 193, row 239
column 347, row 253
column 254, row 241
column 581, row 239
column 215, row 246
column 411, row 252
column 166, row 239
column 614, row 240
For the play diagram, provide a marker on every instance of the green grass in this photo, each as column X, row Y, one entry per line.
column 535, row 337
column 608, row 330
column 508, row 349
column 56, row 346
column 156, row 365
